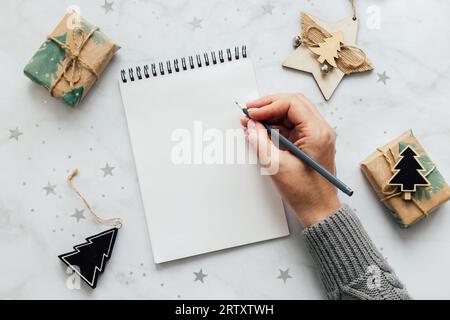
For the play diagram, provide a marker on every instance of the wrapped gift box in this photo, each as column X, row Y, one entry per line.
column 72, row 58
column 378, row 168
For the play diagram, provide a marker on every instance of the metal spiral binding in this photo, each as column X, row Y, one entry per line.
column 182, row 64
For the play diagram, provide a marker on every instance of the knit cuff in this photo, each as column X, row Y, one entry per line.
column 342, row 249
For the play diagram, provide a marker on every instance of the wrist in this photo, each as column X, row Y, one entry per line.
column 310, row 214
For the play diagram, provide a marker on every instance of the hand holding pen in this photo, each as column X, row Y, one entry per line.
column 308, row 192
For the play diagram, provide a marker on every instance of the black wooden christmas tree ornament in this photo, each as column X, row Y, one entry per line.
column 88, row 259
column 408, row 173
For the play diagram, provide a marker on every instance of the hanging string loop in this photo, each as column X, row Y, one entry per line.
column 111, row 222
column 354, row 9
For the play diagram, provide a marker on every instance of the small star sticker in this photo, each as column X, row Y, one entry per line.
column 108, row 6
column 383, row 77
column 267, row 8
column 14, row 134
column 78, row 215
column 199, row 276
column 196, row 23
column 284, row 275
column 107, row 170
column 49, row 189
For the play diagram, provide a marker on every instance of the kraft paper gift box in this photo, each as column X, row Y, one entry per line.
column 72, row 59
column 378, row 168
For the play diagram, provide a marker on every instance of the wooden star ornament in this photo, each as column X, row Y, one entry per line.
column 328, row 51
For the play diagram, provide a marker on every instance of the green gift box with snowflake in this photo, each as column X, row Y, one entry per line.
column 72, row 59
column 405, row 179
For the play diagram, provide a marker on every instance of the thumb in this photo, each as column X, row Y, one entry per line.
column 259, row 140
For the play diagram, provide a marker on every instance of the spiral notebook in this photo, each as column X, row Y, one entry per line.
column 196, row 200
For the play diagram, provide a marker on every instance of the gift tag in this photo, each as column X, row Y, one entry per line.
column 89, row 259
column 408, row 173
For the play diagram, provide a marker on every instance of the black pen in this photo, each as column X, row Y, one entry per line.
column 303, row 156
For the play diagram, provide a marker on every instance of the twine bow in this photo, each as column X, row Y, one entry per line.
column 393, row 191
column 73, row 62
column 350, row 58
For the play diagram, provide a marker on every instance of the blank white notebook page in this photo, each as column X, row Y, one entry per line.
column 198, row 207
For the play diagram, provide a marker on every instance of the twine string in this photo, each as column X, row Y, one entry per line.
column 343, row 57
column 73, row 60
column 354, row 9
column 306, row 36
column 356, row 51
column 112, row 222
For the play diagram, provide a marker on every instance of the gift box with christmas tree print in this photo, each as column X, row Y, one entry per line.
column 71, row 59
column 406, row 180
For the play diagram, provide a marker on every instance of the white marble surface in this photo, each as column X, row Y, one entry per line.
column 34, row 228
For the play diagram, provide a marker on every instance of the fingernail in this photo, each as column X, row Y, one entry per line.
column 251, row 110
column 251, row 124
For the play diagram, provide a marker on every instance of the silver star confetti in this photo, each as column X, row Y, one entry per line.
column 78, row 215
column 284, row 275
column 107, row 170
column 196, row 23
column 267, row 8
column 14, row 134
column 199, row 276
column 383, row 77
column 49, row 189
column 108, row 6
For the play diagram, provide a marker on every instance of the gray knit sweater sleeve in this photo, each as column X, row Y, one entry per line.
column 350, row 265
